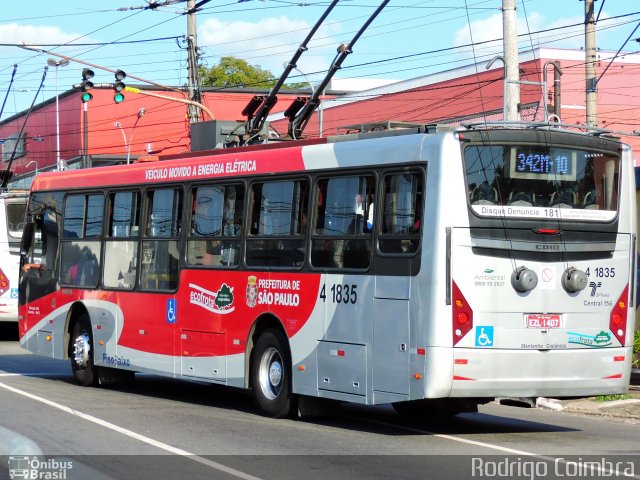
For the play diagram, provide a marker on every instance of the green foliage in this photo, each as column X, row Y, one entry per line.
column 636, row 350
column 610, row 398
column 237, row 73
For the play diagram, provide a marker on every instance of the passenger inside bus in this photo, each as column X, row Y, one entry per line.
column 483, row 194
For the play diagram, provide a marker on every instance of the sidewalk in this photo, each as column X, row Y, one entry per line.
column 627, row 411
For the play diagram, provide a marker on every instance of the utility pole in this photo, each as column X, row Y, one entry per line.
column 192, row 48
column 512, row 68
column 590, row 63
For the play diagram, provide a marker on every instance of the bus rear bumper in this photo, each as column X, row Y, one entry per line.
column 8, row 312
column 540, row 373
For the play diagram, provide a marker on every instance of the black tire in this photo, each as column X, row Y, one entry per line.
column 271, row 375
column 81, row 352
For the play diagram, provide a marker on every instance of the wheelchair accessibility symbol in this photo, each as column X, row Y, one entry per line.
column 171, row 310
column 484, row 336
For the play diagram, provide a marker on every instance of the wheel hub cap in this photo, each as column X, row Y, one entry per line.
column 81, row 350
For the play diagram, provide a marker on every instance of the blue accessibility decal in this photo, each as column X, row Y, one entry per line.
column 484, row 336
column 171, row 310
column 14, row 293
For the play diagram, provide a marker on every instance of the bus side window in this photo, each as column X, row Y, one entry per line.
column 160, row 252
column 81, row 244
column 122, row 243
column 277, row 233
column 216, row 224
column 402, row 214
column 341, row 237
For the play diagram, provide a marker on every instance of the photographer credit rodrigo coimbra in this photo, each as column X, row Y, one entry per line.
column 557, row 467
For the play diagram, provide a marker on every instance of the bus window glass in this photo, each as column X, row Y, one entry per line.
column 80, row 264
column 216, row 224
column 15, row 219
column 95, row 211
column 344, row 219
column 73, row 216
column 125, row 214
column 159, row 259
column 165, row 207
column 80, row 257
column 544, row 177
column 208, row 210
column 278, row 223
column 121, row 251
column 402, row 213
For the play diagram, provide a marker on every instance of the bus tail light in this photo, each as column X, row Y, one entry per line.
column 618, row 316
column 4, row 282
column 462, row 321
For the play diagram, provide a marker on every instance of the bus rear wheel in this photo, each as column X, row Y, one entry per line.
column 81, row 352
column 271, row 375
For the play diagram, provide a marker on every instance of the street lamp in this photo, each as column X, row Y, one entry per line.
column 52, row 62
column 127, row 143
column 313, row 91
column 29, row 164
column 124, row 136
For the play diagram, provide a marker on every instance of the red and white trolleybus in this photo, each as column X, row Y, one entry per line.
column 428, row 269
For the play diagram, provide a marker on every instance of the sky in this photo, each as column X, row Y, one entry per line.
column 409, row 38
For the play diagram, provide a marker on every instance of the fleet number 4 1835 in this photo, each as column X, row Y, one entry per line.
column 339, row 293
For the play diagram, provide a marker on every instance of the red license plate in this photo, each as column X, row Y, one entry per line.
column 536, row 320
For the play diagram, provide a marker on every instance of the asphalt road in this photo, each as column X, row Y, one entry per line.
column 163, row 428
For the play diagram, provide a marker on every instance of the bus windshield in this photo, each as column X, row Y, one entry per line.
column 524, row 179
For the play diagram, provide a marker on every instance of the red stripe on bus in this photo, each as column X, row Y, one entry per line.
column 203, row 167
column 458, row 377
column 618, row 375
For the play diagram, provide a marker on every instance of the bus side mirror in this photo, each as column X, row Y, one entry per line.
column 27, row 239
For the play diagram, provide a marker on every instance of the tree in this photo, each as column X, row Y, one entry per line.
column 235, row 72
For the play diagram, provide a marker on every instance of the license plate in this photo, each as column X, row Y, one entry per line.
column 536, row 320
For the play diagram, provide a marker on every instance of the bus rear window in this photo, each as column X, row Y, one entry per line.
column 15, row 219
column 583, row 184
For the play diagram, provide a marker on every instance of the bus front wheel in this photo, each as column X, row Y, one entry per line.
column 81, row 352
column 271, row 375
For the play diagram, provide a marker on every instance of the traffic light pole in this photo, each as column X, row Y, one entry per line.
column 144, row 80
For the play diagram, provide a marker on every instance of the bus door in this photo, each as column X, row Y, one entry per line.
column 398, row 243
column 38, row 267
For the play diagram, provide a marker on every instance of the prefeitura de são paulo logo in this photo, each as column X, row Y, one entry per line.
column 252, row 291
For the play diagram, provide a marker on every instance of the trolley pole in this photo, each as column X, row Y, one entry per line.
column 590, row 64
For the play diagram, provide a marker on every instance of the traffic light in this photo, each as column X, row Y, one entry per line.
column 86, row 85
column 119, row 86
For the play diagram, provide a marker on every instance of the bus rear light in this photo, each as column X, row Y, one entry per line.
column 547, row 231
column 618, row 358
column 618, row 317
column 4, row 282
column 462, row 321
column 417, row 376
